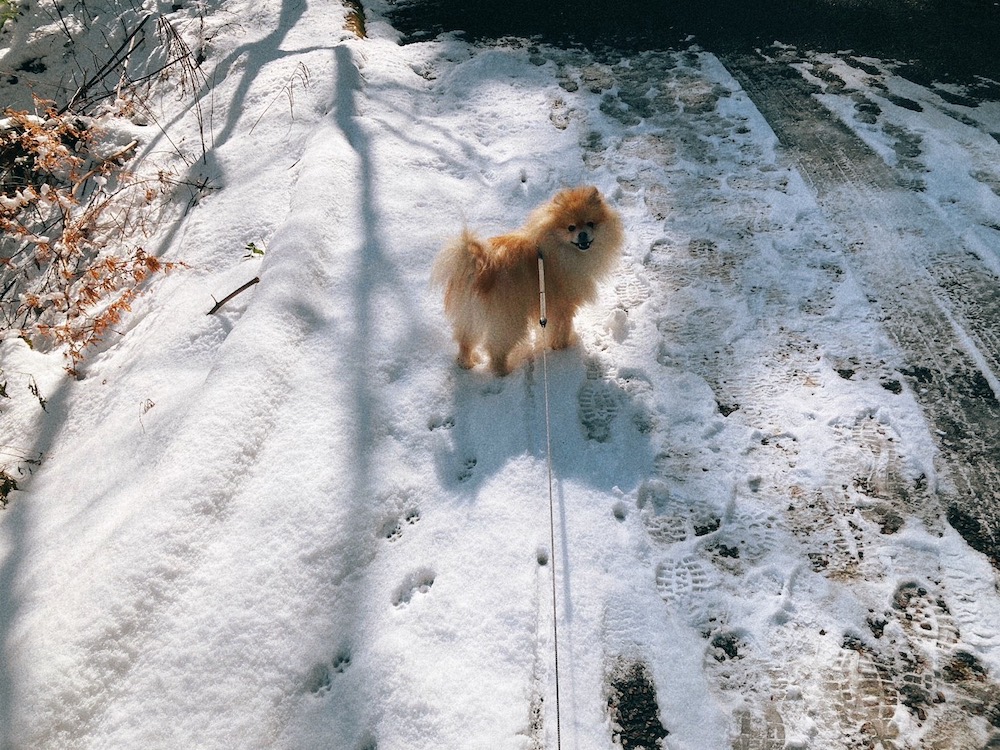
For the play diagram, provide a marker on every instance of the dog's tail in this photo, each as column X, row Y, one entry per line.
column 460, row 264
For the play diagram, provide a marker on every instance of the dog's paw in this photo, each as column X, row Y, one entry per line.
column 563, row 338
column 466, row 471
column 468, row 357
column 501, row 367
column 392, row 528
column 417, row 582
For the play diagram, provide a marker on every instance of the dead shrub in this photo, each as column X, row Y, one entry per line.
column 72, row 221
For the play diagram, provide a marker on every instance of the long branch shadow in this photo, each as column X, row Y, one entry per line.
column 377, row 291
column 15, row 526
column 374, row 273
column 255, row 56
column 16, row 523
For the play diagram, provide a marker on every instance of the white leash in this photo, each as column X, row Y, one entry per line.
column 542, row 320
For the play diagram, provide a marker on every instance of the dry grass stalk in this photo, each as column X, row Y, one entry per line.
column 355, row 19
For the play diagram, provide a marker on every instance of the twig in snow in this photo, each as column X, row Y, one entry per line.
column 229, row 296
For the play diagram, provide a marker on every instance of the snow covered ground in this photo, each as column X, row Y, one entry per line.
column 297, row 524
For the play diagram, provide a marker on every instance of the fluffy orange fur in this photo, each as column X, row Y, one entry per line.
column 491, row 291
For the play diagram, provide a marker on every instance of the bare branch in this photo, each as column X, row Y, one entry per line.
column 224, row 300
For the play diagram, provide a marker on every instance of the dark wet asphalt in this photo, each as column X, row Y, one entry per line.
column 942, row 40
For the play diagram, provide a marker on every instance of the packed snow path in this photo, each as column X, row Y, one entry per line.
column 312, row 530
column 939, row 300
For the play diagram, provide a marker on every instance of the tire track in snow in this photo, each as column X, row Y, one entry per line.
column 939, row 303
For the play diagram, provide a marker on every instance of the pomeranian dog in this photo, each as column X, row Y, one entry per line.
column 491, row 287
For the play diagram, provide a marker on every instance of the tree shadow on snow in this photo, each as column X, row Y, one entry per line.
column 18, row 521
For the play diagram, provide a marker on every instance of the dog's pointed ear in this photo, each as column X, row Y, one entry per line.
column 593, row 195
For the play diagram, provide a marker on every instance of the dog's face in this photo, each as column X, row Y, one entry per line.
column 582, row 237
column 578, row 215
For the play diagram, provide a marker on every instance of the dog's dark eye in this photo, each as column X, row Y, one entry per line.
column 571, row 227
column 590, row 224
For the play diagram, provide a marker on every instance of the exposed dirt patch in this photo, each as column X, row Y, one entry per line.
column 635, row 715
